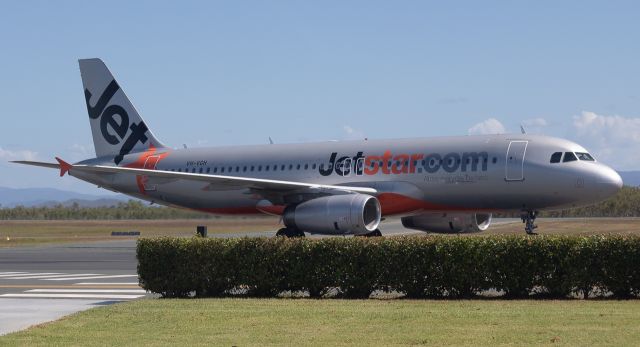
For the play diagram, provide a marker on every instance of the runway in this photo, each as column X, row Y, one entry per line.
column 44, row 283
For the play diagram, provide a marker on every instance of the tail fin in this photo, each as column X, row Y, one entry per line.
column 117, row 127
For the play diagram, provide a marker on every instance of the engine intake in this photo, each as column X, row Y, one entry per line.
column 449, row 222
column 338, row 214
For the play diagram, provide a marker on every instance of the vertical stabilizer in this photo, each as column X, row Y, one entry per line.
column 116, row 126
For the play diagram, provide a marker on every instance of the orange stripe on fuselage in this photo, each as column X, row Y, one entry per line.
column 140, row 163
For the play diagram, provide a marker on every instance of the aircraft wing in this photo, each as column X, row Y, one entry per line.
column 217, row 181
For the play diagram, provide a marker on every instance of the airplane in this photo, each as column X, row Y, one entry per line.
column 440, row 184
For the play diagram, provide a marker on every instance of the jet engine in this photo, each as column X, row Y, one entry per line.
column 449, row 222
column 339, row 214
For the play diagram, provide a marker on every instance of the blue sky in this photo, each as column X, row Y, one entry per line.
column 237, row 72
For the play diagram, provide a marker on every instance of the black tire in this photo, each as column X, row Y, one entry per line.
column 375, row 233
column 294, row 233
column 282, row 232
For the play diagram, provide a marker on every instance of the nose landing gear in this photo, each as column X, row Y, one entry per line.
column 529, row 217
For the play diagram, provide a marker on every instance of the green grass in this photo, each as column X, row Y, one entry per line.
column 29, row 233
column 255, row 322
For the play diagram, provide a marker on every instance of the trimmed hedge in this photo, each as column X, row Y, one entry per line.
column 418, row 267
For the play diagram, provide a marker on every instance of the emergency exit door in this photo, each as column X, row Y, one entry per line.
column 514, row 170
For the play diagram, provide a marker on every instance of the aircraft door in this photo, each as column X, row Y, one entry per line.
column 149, row 164
column 514, row 164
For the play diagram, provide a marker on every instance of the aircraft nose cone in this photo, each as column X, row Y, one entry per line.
column 609, row 181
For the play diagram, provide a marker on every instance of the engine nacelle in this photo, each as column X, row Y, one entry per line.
column 337, row 214
column 449, row 222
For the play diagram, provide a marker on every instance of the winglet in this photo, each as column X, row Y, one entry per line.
column 64, row 166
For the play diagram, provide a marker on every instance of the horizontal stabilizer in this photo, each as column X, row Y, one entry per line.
column 37, row 163
column 62, row 165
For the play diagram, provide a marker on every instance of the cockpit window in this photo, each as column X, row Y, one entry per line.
column 569, row 156
column 555, row 157
column 585, row 156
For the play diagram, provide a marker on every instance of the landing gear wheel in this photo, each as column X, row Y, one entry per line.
column 375, row 233
column 297, row 233
column 529, row 218
column 290, row 232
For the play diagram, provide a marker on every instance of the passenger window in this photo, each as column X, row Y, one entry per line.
column 222, row 169
column 569, row 156
column 193, row 170
column 215, row 170
column 314, row 166
column 200, row 171
column 208, row 170
column 555, row 157
column 585, row 156
column 306, row 166
column 298, row 167
column 259, row 167
column 495, row 160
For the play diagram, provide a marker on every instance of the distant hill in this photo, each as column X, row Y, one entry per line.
column 630, row 178
column 29, row 197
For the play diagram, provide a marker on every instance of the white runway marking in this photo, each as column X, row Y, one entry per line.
column 11, row 273
column 107, row 283
column 120, row 291
column 31, row 276
column 87, row 277
column 74, row 296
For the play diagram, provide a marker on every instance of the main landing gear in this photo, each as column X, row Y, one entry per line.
column 290, row 232
column 375, row 233
column 529, row 218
